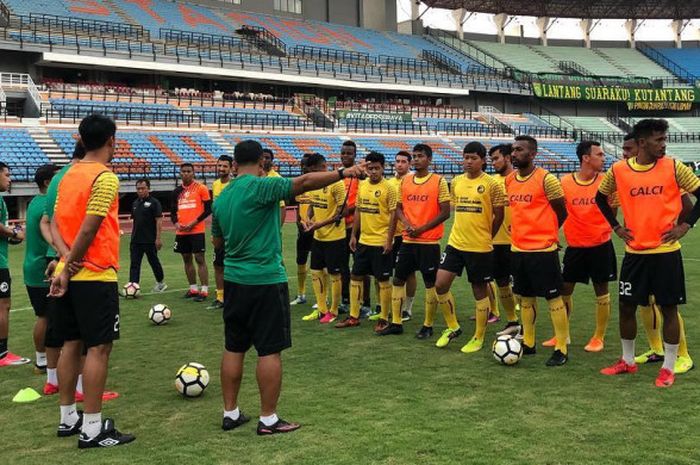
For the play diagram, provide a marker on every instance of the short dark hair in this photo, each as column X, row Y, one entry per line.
column 584, row 148
column 475, row 147
column 272, row 154
column 647, row 127
column 529, row 139
column 187, row 165
column 315, row 159
column 629, row 136
column 95, row 130
column 4, row 165
column 305, row 159
column 349, row 143
column 226, row 158
column 505, row 149
column 375, row 157
column 44, row 173
column 78, row 151
column 425, row 148
column 145, row 181
column 404, row 153
column 248, row 152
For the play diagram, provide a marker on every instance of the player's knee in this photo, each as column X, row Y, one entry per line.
column 442, row 288
column 101, row 351
column 398, row 282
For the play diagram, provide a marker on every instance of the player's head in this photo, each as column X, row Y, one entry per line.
column 43, row 176
column 422, row 156
column 97, row 134
column 473, row 157
column 375, row 166
column 629, row 146
column 143, row 188
column 651, row 135
column 268, row 157
column 249, row 154
column 524, row 151
column 187, row 173
column 590, row 153
column 316, row 163
column 5, row 180
column 402, row 162
column 78, row 151
column 501, row 157
column 348, row 152
column 223, row 166
column 303, row 164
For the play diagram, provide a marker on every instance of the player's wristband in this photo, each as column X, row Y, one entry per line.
column 341, row 173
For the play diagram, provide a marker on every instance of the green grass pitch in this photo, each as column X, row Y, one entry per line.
column 363, row 399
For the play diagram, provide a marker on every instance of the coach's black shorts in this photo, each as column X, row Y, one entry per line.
column 398, row 241
column 501, row 262
column 658, row 274
column 5, row 284
column 536, row 274
column 304, row 243
column 257, row 316
column 189, row 243
column 89, row 311
column 371, row 261
column 38, row 298
column 219, row 255
column 331, row 255
column 418, row 257
column 583, row 264
column 479, row 265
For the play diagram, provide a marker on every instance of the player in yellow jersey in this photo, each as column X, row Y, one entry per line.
column 375, row 207
column 478, row 200
column 328, row 249
column 268, row 159
column 223, row 168
column 304, row 238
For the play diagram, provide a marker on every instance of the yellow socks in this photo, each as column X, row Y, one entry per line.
column 398, row 297
column 682, row 342
column 493, row 303
column 448, row 309
column 318, row 281
column 507, row 299
column 528, row 310
column 557, row 311
column 385, row 298
column 301, row 279
column 336, row 292
column 482, row 315
column 651, row 319
column 430, row 307
column 602, row 316
column 355, row 298
column 220, row 295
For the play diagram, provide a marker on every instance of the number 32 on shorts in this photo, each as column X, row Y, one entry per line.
column 625, row 289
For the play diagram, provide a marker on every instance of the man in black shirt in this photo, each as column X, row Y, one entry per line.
column 147, row 214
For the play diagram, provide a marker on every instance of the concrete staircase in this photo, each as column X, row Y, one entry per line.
column 219, row 139
column 45, row 141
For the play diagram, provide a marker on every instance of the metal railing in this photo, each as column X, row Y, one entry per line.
column 330, row 54
column 391, row 127
column 264, row 38
column 130, row 116
column 441, row 60
column 200, row 38
column 86, row 26
column 667, row 63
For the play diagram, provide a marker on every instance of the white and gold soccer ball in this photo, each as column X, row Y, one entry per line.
column 191, row 379
column 131, row 290
column 507, row 350
column 159, row 314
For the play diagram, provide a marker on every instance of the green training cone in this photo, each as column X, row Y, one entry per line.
column 26, row 395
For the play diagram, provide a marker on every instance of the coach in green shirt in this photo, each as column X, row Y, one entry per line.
column 246, row 224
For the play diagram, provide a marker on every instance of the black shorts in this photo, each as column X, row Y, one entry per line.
column 371, row 261
column 53, row 338
column 418, row 257
column 331, row 255
column 536, row 274
column 257, row 316
column 5, row 284
column 398, row 240
column 304, row 242
column 89, row 311
column 479, row 265
column 583, row 264
column 219, row 255
column 659, row 274
column 501, row 262
column 38, row 298
column 189, row 243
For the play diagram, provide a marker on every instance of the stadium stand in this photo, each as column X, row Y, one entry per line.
column 19, row 150
column 687, row 58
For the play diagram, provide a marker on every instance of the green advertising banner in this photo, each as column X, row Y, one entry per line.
column 372, row 116
column 678, row 99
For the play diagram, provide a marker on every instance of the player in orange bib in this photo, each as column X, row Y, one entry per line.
column 423, row 207
column 537, row 208
column 649, row 189
column 590, row 255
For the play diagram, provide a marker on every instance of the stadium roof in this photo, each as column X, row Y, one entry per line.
column 607, row 9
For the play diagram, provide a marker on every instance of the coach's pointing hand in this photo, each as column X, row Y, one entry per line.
column 357, row 171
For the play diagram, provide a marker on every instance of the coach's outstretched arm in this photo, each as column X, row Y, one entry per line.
column 313, row 181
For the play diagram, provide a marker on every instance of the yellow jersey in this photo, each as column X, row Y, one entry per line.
column 395, row 182
column 502, row 237
column 218, row 186
column 474, row 201
column 326, row 203
column 304, row 201
column 376, row 204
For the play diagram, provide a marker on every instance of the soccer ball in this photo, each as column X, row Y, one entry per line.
column 159, row 314
column 191, row 379
column 507, row 350
column 131, row 290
